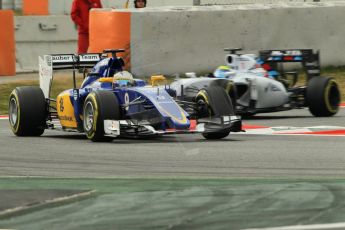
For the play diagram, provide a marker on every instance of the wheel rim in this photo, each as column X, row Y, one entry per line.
column 334, row 96
column 89, row 114
column 13, row 112
column 204, row 108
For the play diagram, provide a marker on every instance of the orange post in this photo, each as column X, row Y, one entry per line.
column 35, row 7
column 7, row 44
column 110, row 30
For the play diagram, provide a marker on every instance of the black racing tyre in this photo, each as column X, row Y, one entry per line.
column 218, row 104
column 232, row 91
column 204, row 108
column 217, row 99
column 247, row 115
column 27, row 111
column 323, row 96
column 99, row 106
column 216, row 135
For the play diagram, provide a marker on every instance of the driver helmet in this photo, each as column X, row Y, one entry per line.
column 224, row 72
column 123, row 78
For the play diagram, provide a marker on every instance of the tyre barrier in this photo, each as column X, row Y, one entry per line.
column 7, row 44
column 35, row 7
column 110, row 29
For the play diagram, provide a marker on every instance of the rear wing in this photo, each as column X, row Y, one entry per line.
column 309, row 58
column 49, row 63
column 72, row 61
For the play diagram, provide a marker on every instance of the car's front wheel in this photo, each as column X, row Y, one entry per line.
column 216, row 135
column 99, row 106
column 214, row 101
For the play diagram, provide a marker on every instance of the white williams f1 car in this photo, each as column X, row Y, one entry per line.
column 262, row 85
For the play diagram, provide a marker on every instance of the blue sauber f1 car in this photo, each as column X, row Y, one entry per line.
column 111, row 103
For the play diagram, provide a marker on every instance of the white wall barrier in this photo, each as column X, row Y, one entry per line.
column 39, row 35
column 181, row 39
column 176, row 40
column 58, row 7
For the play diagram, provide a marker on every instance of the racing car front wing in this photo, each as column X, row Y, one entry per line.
column 117, row 128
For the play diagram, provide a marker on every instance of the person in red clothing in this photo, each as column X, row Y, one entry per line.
column 80, row 16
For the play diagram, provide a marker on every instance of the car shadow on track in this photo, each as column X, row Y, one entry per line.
column 142, row 140
column 272, row 117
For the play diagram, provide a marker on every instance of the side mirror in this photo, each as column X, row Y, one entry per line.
column 157, row 79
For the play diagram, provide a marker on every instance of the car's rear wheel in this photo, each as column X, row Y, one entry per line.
column 323, row 96
column 214, row 101
column 232, row 92
column 99, row 106
column 27, row 111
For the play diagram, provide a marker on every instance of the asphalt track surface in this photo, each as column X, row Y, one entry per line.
column 244, row 181
column 69, row 155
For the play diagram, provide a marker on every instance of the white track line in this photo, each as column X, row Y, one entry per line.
column 336, row 226
column 3, row 117
column 286, row 130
